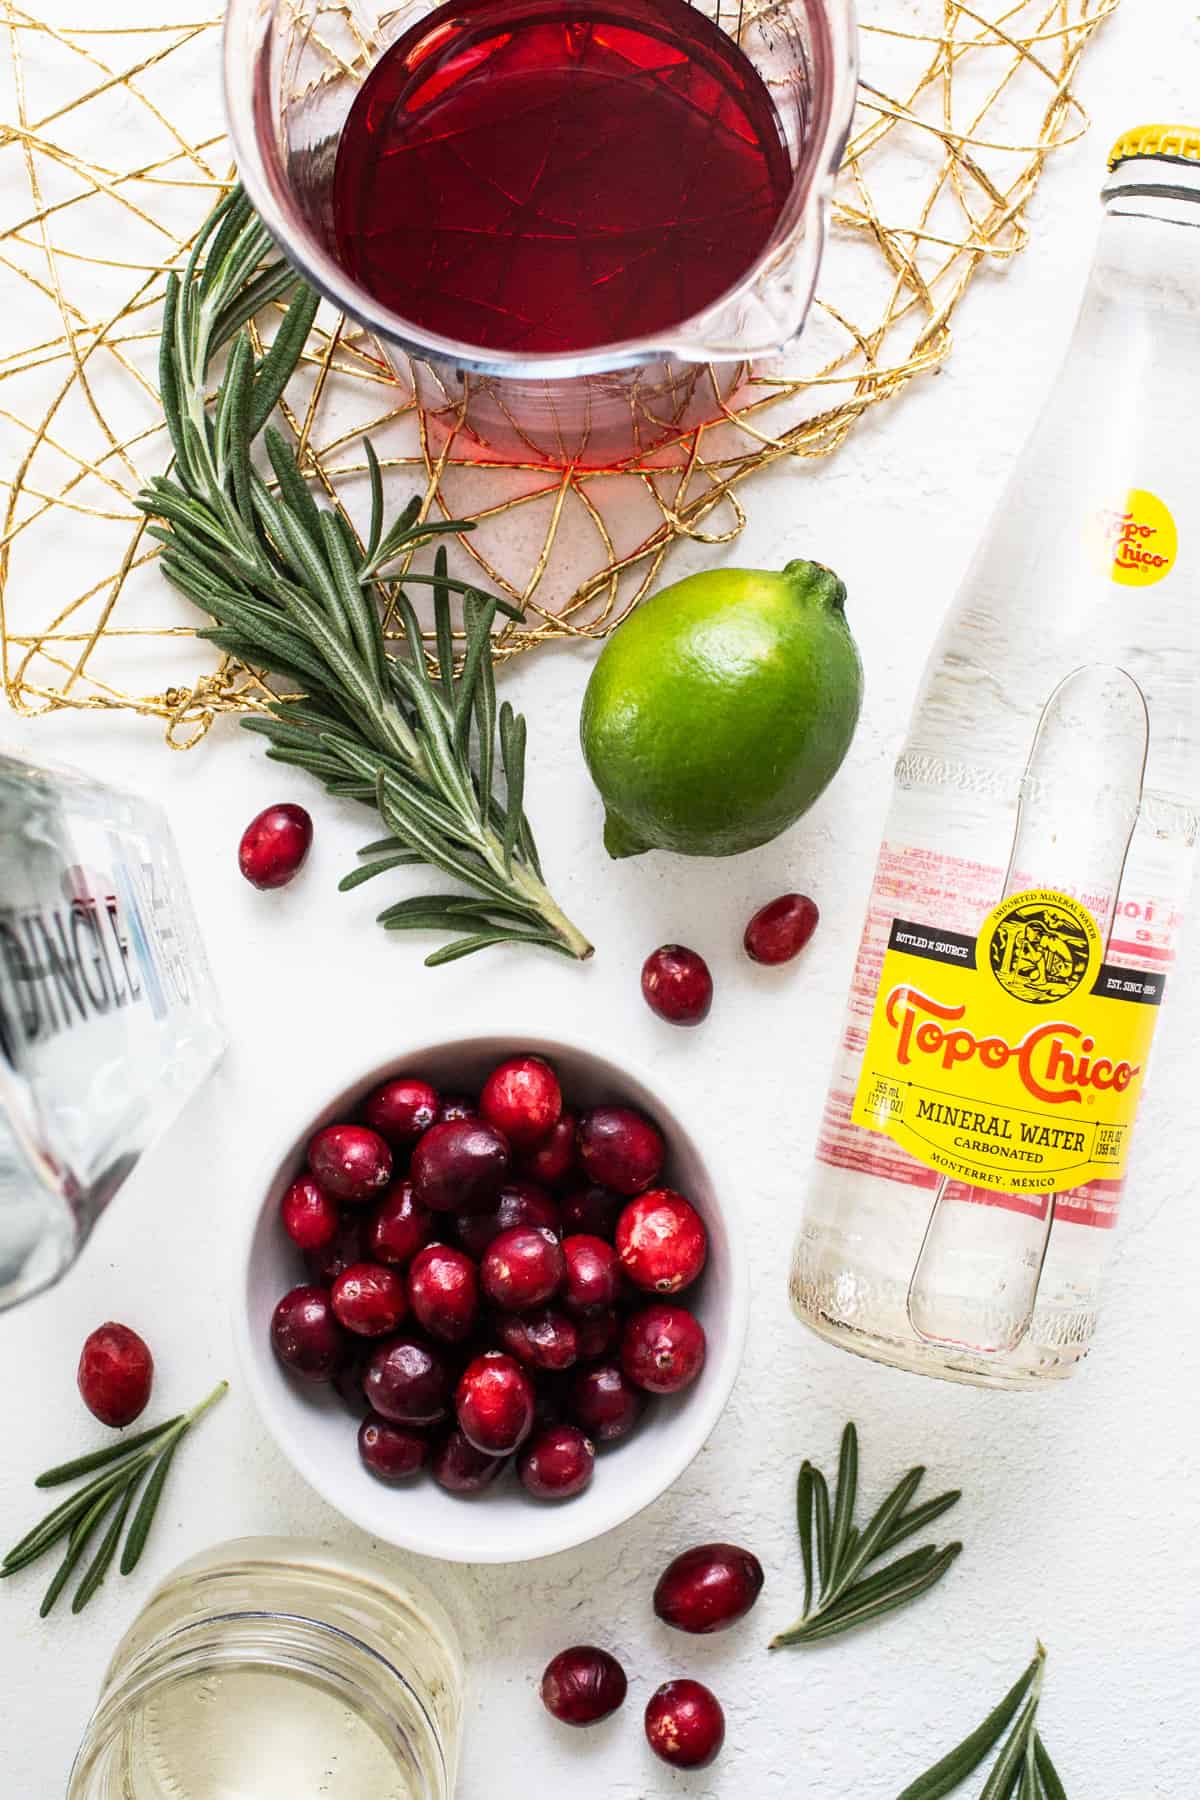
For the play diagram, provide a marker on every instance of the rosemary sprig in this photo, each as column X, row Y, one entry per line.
column 837, row 1553
column 295, row 594
column 77, row 1518
column 1022, row 1771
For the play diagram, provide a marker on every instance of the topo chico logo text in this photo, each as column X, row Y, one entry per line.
column 1056, row 1062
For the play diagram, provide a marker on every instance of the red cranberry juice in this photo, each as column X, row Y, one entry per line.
column 540, row 176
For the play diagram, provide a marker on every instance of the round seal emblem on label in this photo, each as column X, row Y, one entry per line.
column 1041, row 946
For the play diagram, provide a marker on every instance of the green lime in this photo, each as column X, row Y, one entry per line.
column 720, row 709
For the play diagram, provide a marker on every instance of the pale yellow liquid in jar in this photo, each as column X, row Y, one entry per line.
column 259, row 1734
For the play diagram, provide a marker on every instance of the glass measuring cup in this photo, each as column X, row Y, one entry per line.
column 292, row 70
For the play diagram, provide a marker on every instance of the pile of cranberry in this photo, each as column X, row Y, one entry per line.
column 491, row 1278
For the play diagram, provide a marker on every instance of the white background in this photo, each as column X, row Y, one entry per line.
column 1081, row 1513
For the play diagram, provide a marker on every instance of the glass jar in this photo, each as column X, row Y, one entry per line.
column 108, row 1017
column 275, row 1669
column 292, row 71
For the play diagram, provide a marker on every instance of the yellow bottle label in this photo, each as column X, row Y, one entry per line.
column 1014, row 1060
column 1139, row 540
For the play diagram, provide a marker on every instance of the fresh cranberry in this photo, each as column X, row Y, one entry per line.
column 351, row 1162
column 407, row 1381
column 348, row 1376
column 459, row 1166
column 398, row 1227
column 460, row 1468
column 557, row 1463
column 522, row 1268
column 305, row 1333
column 598, row 1334
column 685, row 1724
column 520, row 1203
column 310, row 1216
column 780, row 930
column 620, row 1149
column 495, row 1403
column 443, row 1287
column 583, row 1685
column 401, row 1110
column 348, row 1246
column 369, row 1299
column 551, row 1161
column 663, row 1349
column 593, row 1275
column 116, row 1372
column 392, row 1452
column 541, row 1340
column 677, row 985
column 522, row 1099
column 454, row 1107
column 708, row 1588
column 591, row 1212
column 274, row 845
column 661, row 1242
column 605, row 1402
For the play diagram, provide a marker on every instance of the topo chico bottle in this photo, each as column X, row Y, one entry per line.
column 1036, row 859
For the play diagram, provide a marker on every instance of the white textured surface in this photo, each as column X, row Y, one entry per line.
column 1082, row 1508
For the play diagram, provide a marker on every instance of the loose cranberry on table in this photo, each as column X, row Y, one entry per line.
column 369, row 1299
column 399, row 1226
column 619, row 1149
column 402, row 1110
column 605, row 1402
column 541, row 1340
column 593, row 1279
column 780, row 930
column 685, row 1724
column 310, row 1215
column 583, row 1685
column 459, row 1166
column 522, row 1099
column 408, row 1382
column 460, row 1468
column 115, row 1374
column 708, row 1588
column 443, row 1288
column 661, row 1242
column 663, row 1349
column 519, row 1203
column 598, row 1334
column 274, row 845
column 392, row 1452
column 677, row 985
column 306, row 1335
column 591, row 1212
column 552, row 1160
column 522, row 1268
column 556, row 1463
column 494, row 1401
column 351, row 1162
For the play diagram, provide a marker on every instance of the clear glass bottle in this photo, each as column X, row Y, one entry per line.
column 1037, row 857
column 108, row 1019
column 273, row 1669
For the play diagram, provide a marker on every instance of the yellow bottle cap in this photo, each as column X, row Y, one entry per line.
column 1179, row 143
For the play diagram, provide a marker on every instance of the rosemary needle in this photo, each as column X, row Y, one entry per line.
column 294, row 594
column 1022, row 1770
column 123, row 1466
column 837, row 1554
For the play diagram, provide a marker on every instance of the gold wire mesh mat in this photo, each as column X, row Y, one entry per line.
column 114, row 152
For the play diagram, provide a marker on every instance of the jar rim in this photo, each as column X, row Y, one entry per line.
column 190, row 1647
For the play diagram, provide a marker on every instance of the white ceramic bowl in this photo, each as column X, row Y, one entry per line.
column 317, row 1434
